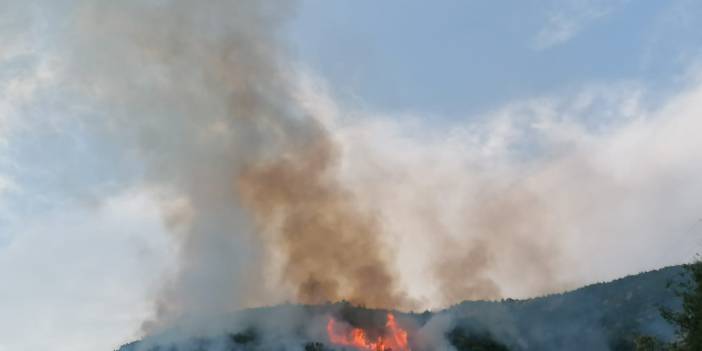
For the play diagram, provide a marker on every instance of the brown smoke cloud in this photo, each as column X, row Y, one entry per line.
column 509, row 225
column 203, row 95
column 251, row 179
column 479, row 230
column 331, row 248
column 271, row 199
column 273, row 194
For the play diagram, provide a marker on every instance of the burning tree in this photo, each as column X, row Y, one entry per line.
column 394, row 337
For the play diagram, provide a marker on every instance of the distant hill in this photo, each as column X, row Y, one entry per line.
column 604, row 316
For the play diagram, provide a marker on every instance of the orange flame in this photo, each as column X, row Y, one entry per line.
column 395, row 338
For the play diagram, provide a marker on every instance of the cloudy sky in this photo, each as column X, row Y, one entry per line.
column 590, row 111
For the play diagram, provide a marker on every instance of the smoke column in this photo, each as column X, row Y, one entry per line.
column 202, row 94
column 273, row 194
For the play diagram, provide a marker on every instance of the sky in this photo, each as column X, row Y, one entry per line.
column 593, row 108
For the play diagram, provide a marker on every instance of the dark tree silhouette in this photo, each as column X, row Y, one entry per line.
column 688, row 321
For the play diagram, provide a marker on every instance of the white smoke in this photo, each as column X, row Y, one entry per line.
column 548, row 193
column 533, row 197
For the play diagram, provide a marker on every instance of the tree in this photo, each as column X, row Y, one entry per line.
column 464, row 340
column 688, row 321
column 648, row 343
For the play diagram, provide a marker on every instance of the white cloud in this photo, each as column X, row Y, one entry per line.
column 82, row 277
column 605, row 184
column 25, row 65
column 569, row 19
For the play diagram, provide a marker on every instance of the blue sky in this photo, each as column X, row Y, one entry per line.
column 458, row 58
column 589, row 110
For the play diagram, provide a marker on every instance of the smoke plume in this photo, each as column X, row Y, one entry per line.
column 330, row 246
column 275, row 192
column 204, row 95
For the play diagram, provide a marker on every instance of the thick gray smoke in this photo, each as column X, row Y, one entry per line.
column 202, row 93
column 198, row 93
column 272, row 194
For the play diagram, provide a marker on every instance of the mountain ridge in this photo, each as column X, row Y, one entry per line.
column 599, row 316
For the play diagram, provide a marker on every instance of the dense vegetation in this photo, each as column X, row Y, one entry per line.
column 623, row 315
column 687, row 320
column 464, row 340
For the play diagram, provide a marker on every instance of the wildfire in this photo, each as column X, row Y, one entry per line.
column 394, row 338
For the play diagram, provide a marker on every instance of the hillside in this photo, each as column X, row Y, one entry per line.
column 604, row 316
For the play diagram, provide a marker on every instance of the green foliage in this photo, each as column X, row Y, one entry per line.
column 649, row 343
column 688, row 321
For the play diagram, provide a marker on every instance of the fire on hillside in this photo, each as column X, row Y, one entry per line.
column 392, row 338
